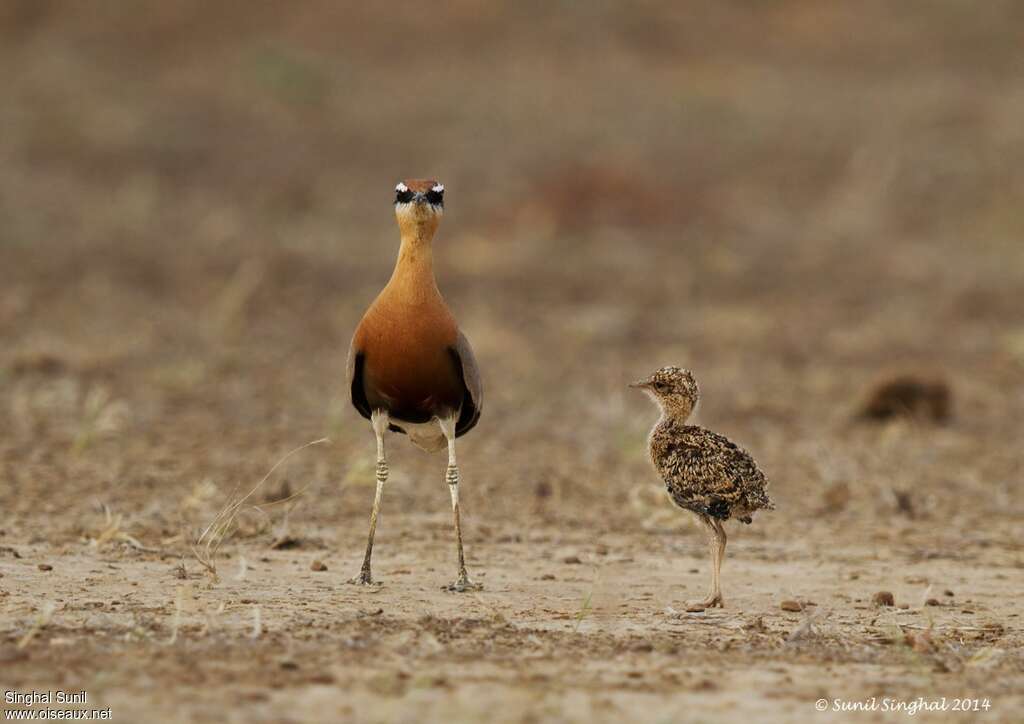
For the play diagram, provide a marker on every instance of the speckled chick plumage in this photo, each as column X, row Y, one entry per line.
column 704, row 472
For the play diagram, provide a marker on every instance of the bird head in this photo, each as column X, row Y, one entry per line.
column 674, row 389
column 419, row 205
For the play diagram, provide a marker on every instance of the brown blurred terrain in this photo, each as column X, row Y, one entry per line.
column 796, row 200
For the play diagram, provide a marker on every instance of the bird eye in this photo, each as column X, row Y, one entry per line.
column 403, row 196
column 436, row 197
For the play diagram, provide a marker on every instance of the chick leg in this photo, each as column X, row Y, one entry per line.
column 720, row 540
column 379, row 421
column 716, row 545
column 462, row 582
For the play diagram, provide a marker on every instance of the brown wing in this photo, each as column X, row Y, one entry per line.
column 465, row 363
column 707, row 472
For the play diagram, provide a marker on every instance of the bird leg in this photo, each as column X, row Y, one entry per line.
column 720, row 540
column 379, row 420
column 716, row 543
column 462, row 582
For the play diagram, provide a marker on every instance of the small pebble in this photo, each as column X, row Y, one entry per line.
column 317, row 566
column 45, row 567
column 883, row 598
column 791, row 606
column 695, row 608
column 933, row 602
column 903, row 606
column 572, row 560
column 947, row 592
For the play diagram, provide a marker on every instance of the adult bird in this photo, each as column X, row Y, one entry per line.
column 410, row 369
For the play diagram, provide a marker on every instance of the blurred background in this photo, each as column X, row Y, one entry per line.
column 794, row 199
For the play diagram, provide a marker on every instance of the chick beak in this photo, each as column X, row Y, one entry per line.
column 419, row 198
column 640, row 384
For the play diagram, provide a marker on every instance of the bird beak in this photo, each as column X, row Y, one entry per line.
column 419, row 198
column 640, row 384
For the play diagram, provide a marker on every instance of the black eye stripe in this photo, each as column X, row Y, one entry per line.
column 433, row 196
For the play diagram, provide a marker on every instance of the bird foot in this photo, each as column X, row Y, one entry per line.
column 363, row 579
column 711, row 601
column 463, row 584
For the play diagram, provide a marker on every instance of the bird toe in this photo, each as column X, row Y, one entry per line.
column 463, row 585
column 363, row 579
column 711, row 601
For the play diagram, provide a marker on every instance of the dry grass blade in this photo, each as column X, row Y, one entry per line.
column 112, row 532
column 179, row 605
column 212, row 618
column 206, row 546
column 257, row 623
column 45, row 614
column 230, row 309
column 585, row 608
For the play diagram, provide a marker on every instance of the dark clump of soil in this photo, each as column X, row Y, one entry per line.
column 884, row 598
column 908, row 395
column 39, row 363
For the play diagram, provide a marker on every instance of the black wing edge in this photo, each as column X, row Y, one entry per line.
column 359, row 400
column 470, row 412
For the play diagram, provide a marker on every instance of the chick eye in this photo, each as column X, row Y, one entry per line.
column 403, row 197
column 435, row 197
column 660, row 386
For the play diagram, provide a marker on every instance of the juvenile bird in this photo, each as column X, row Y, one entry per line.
column 704, row 472
column 410, row 369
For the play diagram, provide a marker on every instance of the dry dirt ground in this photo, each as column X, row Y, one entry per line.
column 793, row 199
column 601, row 639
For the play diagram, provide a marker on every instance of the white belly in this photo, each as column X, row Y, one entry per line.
column 424, row 435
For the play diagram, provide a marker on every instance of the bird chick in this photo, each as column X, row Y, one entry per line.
column 704, row 472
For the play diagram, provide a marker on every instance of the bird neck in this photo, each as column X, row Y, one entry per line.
column 673, row 410
column 668, row 420
column 413, row 276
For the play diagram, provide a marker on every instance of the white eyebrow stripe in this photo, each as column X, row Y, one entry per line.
column 401, row 188
column 439, row 188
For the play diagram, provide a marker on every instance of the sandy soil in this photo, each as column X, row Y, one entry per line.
column 566, row 628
